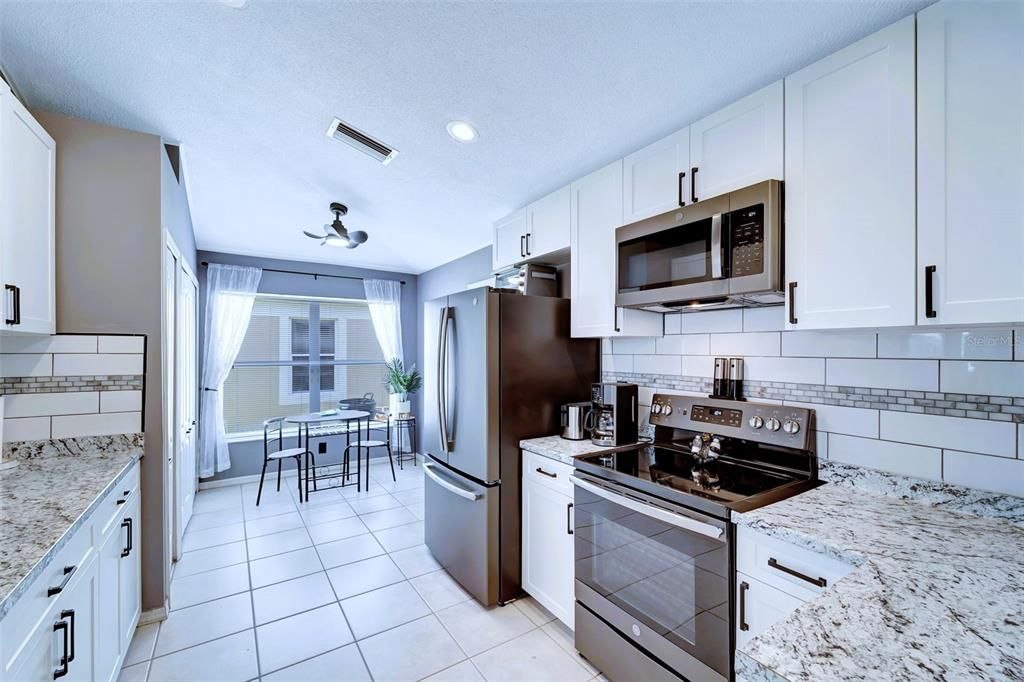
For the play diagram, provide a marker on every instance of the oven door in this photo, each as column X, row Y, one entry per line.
column 657, row 574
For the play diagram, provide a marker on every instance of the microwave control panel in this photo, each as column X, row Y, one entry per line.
column 746, row 240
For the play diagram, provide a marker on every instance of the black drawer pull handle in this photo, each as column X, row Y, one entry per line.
column 743, row 606
column 70, row 613
column 127, row 523
column 568, row 518
column 929, row 291
column 820, row 582
column 546, row 473
column 68, row 572
column 792, row 302
column 62, row 626
column 682, row 177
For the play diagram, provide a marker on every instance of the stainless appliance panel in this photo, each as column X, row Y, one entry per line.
column 770, row 279
column 463, row 529
column 433, row 440
column 611, row 653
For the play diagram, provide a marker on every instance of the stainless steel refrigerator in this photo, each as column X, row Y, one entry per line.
column 499, row 365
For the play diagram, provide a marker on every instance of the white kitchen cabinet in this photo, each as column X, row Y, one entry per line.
column 548, row 555
column 850, row 185
column 509, row 241
column 130, row 575
column 737, row 146
column 970, row 152
column 109, row 646
column 547, row 222
column 655, row 179
column 28, row 163
column 595, row 213
column 759, row 606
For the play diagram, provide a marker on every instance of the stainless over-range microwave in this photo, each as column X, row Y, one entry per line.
column 717, row 253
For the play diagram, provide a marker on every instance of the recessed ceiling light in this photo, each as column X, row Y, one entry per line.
column 235, row 4
column 461, row 131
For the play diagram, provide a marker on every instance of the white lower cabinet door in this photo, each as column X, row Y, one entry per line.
column 130, row 581
column 548, row 574
column 109, row 640
column 758, row 607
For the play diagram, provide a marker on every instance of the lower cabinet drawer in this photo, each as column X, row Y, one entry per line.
column 113, row 504
column 547, row 472
column 758, row 607
column 794, row 570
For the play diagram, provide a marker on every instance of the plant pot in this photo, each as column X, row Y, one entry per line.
column 398, row 406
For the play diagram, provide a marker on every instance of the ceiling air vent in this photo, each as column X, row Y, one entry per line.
column 357, row 139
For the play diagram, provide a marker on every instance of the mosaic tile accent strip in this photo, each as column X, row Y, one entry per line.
column 993, row 408
column 71, row 384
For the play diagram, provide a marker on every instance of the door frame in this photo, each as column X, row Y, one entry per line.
column 183, row 275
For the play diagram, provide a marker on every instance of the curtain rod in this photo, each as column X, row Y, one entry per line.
column 314, row 275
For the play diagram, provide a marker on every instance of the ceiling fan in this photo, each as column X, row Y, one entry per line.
column 335, row 233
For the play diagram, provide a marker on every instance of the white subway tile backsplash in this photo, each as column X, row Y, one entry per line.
column 829, row 344
column 712, row 321
column 122, row 344
column 770, row 319
column 743, row 344
column 617, row 363
column 852, row 421
column 26, row 365
column 997, row 474
column 120, row 401
column 982, row 377
column 971, row 344
column 1018, row 343
column 798, row 370
column 65, row 343
column 606, row 346
column 821, row 442
column 657, row 364
column 915, row 375
column 633, row 346
column 78, row 364
column 909, row 460
column 669, row 345
column 672, row 323
column 45, row 404
column 958, row 433
column 696, row 344
column 698, row 366
column 26, row 428
column 73, row 426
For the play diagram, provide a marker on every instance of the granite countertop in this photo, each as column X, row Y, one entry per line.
column 53, row 490
column 937, row 592
column 562, row 450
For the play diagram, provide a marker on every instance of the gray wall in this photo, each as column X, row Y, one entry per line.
column 174, row 211
column 247, row 457
column 109, row 214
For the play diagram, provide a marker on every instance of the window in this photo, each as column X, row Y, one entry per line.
column 301, row 355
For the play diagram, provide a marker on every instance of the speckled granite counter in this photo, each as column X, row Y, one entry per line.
column 54, row 489
column 938, row 592
column 562, row 450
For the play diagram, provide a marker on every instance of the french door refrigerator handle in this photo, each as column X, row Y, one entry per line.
column 442, row 427
column 671, row 518
column 716, row 246
column 448, row 321
column 451, row 487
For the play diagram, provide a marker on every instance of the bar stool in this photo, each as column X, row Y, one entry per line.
column 280, row 454
column 368, row 444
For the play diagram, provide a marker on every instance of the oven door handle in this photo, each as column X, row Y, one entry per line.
column 671, row 518
column 716, row 246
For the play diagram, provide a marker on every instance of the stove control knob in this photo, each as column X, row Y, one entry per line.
column 773, row 424
column 656, row 408
column 756, row 422
column 791, row 427
column 666, row 410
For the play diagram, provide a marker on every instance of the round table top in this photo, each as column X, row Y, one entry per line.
column 334, row 416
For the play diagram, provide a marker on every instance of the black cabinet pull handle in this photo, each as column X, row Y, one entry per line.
column 568, row 518
column 546, row 473
column 792, row 302
column 693, row 185
column 528, row 235
column 127, row 523
column 680, row 200
column 70, row 613
column 522, row 246
column 15, row 305
column 820, row 582
column 68, row 572
column 615, row 318
column 743, row 606
column 62, row 626
column 929, row 291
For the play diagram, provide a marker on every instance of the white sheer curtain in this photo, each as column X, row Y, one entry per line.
column 230, row 294
column 384, row 298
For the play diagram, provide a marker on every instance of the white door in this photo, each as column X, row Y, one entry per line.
column 548, row 558
column 167, row 376
column 547, row 226
column 656, row 178
column 970, row 197
column 509, row 240
column 28, row 173
column 739, row 145
column 595, row 213
column 186, row 394
column 850, row 185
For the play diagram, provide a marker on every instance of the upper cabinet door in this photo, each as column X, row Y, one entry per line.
column 509, row 240
column 850, row 185
column 970, row 197
column 738, row 146
column 595, row 213
column 655, row 179
column 28, row 163
column 547, row 225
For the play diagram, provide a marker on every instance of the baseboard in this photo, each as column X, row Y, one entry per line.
column 271, row 476
column 153, row 616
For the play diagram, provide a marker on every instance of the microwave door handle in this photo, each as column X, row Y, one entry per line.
column 716, row 246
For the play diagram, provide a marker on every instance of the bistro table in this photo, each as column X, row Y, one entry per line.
column 326, row 419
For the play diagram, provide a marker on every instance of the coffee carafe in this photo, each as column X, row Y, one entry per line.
column 613, row 415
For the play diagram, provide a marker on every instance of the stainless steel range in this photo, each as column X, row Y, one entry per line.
column 654, row 545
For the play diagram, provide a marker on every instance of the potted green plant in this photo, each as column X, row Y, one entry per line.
column 402, row 384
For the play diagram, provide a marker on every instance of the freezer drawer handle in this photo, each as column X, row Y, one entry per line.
column 461, row 492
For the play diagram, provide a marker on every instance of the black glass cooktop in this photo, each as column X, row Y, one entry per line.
column 725, row 481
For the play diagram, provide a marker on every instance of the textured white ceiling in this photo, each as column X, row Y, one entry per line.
column 556, row 89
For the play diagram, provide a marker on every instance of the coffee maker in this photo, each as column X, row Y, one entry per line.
column 613, row 415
